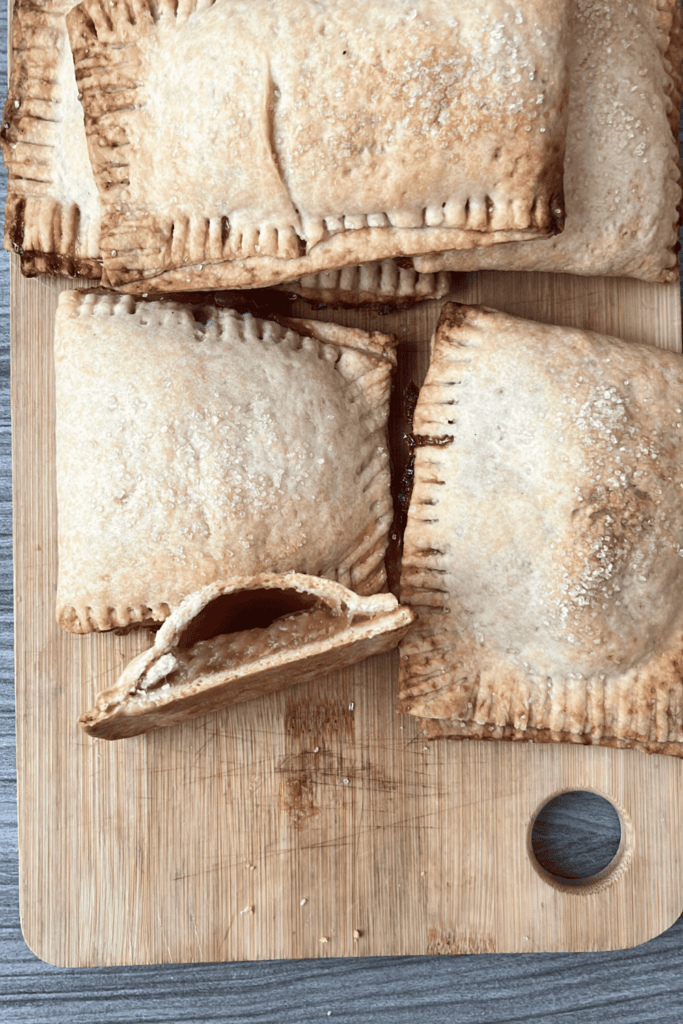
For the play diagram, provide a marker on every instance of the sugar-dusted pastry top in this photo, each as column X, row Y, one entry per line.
column 243, row 144
column 240, row 639
column 622, row 170
column 621, row 191
column 198, row 444
column 52, row 216
column 544, row 544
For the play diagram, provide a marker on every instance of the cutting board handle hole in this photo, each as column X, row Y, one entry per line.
column 577, row 841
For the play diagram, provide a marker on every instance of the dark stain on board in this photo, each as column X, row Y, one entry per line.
column 298, row 798
column 313, row 722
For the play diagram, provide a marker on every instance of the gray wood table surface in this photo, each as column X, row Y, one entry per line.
column 631, row 986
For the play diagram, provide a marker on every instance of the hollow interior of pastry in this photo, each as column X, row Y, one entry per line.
column 243, row 627
column 243, row 610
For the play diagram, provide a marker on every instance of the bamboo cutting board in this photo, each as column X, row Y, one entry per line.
column 315, row 822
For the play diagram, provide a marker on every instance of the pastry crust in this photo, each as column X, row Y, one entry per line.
column 198, row 444
column 622, row 180
column 380, row 285
column 544, row 545
column 334, row 133
column 173, row 681
column 52, row 215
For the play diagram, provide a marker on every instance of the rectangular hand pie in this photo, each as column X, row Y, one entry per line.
column 53, row 211
column 622, row 171
column 544, row 545
column 195, row 445
column 237, row 145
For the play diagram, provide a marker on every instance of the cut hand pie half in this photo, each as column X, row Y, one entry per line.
column 544, row 545
column 241, row 639
column 323, row 134
column 194, row 444
column 621, row 171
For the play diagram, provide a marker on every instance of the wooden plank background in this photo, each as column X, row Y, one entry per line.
column 279, row 828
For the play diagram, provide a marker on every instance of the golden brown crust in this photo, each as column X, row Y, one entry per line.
column 622, row 177
column 327, row 156
column 455, row 730
column 673, row 60
column 52, row 210
column 151, row 693
column 544, row 547
column 196, row 443
column 380, row 285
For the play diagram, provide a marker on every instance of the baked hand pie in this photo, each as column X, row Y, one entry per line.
column 621, row 170
column 195, row 445
column 52, row 216
column 241, row 639
column 240, row 145
column 544, row 545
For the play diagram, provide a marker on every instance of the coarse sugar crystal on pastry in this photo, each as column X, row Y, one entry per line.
column 622, row 181
column 241, row 145
column 195, row 444
column 241, row 639
column 544, row 544
column 52, row 215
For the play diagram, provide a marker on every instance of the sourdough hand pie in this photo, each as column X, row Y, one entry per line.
column 621, row 178
column 544, row 545
column 237, row 145
column 195, row 445
column 240, row 639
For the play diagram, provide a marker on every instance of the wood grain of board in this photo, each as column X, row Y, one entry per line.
column 315, row 822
